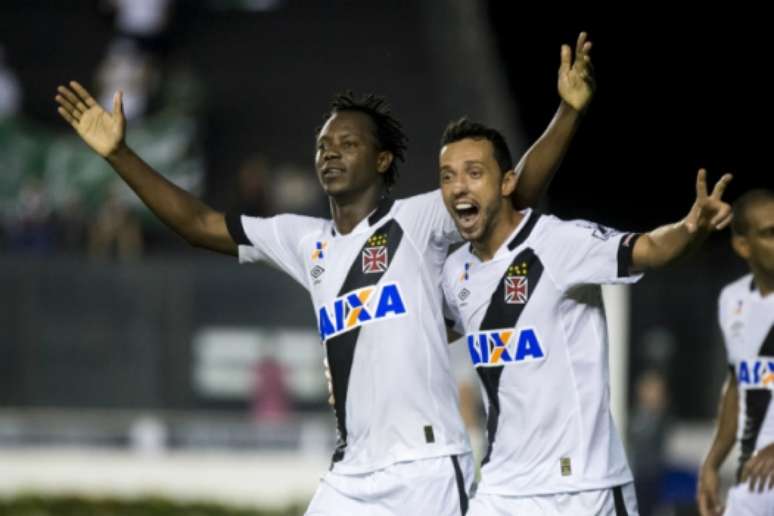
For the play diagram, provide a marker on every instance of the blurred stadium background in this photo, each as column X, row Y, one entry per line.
column 133, row 367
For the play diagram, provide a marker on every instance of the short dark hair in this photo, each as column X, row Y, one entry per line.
column 463, row 128
column 740, row 224
column 389, row 131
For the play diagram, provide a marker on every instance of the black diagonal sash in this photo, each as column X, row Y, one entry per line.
column 756, row 405
column 500, row 314
column 340, row 349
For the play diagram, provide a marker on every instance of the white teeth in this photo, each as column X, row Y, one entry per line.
column 463, row 206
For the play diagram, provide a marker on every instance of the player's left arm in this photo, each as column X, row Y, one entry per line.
column 576, row 85
column 666, row 244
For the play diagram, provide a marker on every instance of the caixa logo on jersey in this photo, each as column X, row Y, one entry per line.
column 502, row 347
column 359, row 307
column 756, row 374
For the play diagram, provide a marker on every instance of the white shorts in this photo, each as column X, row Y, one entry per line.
column 436, row 486
column 617, row 501
column 742, row 502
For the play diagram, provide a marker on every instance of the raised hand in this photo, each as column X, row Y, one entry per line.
column 101, row 130
column 709, row 212
column 576, row 77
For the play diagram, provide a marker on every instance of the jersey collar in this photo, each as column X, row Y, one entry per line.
column 383, row 207
column 516, row 238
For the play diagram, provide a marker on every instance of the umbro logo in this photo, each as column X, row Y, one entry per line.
column 463, row 294
column 316, row 271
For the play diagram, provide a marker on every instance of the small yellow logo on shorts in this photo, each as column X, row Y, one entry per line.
column 566, row 466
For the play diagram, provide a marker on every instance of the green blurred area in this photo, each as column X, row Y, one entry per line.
column 70, row 173
column 30, row 505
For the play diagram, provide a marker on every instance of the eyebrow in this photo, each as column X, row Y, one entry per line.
column 346, row 134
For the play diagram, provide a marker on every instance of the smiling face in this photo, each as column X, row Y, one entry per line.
column 474, row 188
column 348, row 159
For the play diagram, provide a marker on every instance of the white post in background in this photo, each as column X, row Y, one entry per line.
column 617, row 303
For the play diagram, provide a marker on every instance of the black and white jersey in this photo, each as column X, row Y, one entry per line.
column 534, row 325
column 378, row 300
column 747, row 323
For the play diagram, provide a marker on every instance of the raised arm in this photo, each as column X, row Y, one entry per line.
column 666, row 244
column 575, row 84
column 104, row 132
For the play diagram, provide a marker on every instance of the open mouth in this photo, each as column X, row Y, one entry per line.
column 466, row 212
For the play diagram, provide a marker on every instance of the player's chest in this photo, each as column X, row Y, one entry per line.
column 749, row 329
column 351, row 272
column 497, row 293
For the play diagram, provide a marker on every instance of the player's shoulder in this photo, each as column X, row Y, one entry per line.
column 416, row 204
column 737, row 289
column 546, row 225
column 292, row 226
column 303, row 221
column 547, row 228
column 553, row 229
column 456, row 260
column 459, row 255
column 422, row 198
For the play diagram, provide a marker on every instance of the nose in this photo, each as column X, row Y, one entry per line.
column 331, row 152
column 459, row 186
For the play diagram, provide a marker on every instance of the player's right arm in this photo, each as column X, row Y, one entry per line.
column 723, row 441
column 197, row 223
column 669, row 243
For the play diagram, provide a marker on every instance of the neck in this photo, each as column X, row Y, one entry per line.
column 763, row 282
column 348, row 210
column 506, row 222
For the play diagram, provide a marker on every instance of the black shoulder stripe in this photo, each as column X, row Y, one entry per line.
column 767, row 347
column 522, row 235
column 625, row 253
column 501, row 314
column 235, row 229
column 384, row 206
column 340, row 349
column 356, row 277
column 490, row 379
column 756, row 405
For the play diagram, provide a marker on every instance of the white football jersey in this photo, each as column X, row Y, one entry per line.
column 747, row 323
column 534, row 325
column 377, row 295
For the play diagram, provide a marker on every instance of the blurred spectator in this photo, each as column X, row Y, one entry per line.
column 252, row 192
column 30, row 228
column 10, row 90
column 647, row 438
column 295, row 190
column 116, row 230
column 71, row 224
column 271, row 401
column 126, row 67
column 142, row 18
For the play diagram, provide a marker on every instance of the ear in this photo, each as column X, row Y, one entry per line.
column 508, row 183
column 383, row 161
column 741, row 246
